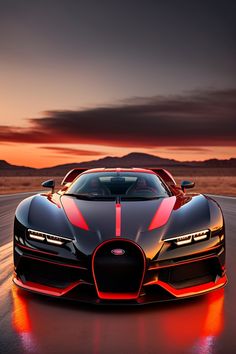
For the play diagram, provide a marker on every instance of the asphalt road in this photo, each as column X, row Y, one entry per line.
column 31, row 323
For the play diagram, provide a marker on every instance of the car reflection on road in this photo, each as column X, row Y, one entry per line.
column 48, row 325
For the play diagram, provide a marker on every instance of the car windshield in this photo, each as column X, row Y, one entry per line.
column 123, row 185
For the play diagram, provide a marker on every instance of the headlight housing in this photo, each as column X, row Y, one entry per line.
column 189, row 238
column 48, row 238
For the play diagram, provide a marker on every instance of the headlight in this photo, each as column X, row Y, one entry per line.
column 44, row 237
column 189, row 238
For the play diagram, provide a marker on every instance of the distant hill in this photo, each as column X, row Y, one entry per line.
column 134, row 159
column 5, row 166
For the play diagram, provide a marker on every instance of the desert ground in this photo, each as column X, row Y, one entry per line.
column 220, row 185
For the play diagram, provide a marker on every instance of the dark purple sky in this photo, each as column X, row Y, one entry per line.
column 116, row 58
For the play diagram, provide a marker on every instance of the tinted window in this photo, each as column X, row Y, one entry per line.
column 126, row 185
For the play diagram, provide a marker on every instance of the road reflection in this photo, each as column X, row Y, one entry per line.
column 213, row 324
column 47, row 325
column 196, row 327
column 21, row 322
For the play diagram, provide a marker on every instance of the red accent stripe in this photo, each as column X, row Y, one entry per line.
column 117, row 296
column 43, row 289
column 163, row 213
column 118, row 219
column 73, row 213
column 193, row 290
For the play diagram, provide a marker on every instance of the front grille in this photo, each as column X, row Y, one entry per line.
column 118, row 273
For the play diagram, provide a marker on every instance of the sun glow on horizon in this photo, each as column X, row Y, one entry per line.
column 39, row 156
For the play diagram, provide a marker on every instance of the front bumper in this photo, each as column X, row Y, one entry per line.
column 157, row 280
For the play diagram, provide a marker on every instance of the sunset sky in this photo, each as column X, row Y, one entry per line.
column 82, row 79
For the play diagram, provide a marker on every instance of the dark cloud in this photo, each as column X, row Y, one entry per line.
column 70, row 151
column 188, row 148
column 200, row 118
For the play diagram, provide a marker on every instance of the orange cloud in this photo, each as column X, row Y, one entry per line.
column 71, row 151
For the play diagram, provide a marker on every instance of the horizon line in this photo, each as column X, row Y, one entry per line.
column 119, row 157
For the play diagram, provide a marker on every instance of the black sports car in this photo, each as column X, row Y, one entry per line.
column 119, row 236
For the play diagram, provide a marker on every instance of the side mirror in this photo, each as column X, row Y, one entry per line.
column 187, row 185
column 49, row 184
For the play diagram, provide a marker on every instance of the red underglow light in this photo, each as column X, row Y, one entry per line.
column 20, row 320
column 207, row 324
column 214, row 320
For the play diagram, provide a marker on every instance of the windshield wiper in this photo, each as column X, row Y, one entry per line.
column 142, row 197
column 90, row 196
column 79, row 196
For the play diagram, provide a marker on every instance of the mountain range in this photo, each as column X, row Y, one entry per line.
column 134, row 159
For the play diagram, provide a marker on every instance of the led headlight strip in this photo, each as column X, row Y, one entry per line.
column 42, row 236
column 189, row 238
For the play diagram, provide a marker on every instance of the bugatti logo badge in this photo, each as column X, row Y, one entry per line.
column 118, row 252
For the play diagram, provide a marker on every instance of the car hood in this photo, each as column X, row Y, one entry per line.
column 98, row 219
column 179, row 215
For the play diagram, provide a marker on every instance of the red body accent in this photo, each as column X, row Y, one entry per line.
column 117, row 296
column 118, row 219
column 71, row 175
column 73, row 213
column 193, row 290
column 163, row 213
column 47, row 290
column 55, row 199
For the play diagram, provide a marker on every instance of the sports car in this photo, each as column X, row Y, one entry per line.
column 119, row 235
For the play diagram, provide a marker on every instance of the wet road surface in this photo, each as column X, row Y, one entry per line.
column 32, row 323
